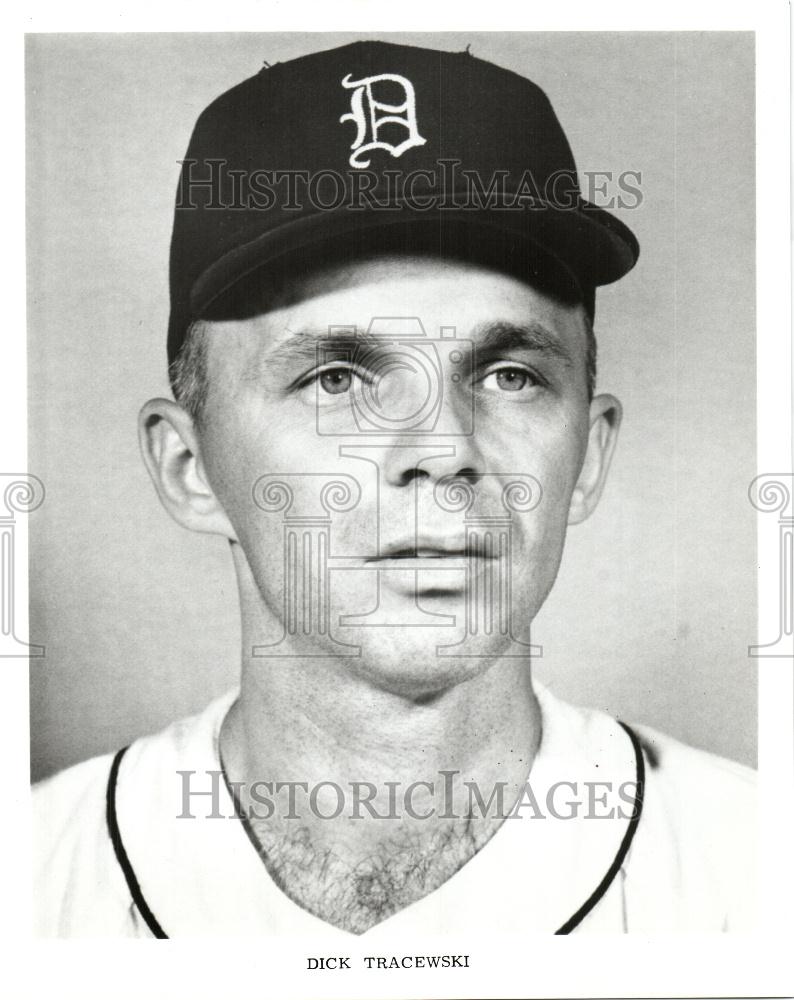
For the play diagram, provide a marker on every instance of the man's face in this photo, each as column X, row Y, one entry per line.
column 422, row 389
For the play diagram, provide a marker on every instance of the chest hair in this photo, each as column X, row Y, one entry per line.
column 356, row 891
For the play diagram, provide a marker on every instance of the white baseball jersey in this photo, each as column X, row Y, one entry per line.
column 119, row 857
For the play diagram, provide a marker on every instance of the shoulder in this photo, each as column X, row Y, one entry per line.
column 699, row 779
column 709, row 802
column 79, row 887
column 699, row 829
column 69, row 805
column 694, row 790
column 691, row 780
column 70, row 851
column 692, row 860
column 72, row 789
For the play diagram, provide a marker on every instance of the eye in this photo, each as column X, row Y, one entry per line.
column 510, row 378
column 335, row 381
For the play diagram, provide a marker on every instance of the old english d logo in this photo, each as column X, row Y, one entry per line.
column 369, row 114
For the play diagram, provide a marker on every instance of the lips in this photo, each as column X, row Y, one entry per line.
column 430, row 549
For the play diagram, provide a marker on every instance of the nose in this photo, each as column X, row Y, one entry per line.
column 423, row 468
column 451, row 450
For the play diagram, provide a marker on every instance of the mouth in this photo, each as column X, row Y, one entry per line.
column 435, row 551
column 408, row 555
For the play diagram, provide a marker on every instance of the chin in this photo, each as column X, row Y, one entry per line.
column 408, row 663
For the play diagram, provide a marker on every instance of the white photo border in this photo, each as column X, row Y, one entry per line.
column 572, row 966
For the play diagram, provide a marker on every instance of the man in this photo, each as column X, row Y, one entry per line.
column 382, row 292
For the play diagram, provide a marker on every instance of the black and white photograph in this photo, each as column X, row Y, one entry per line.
column 393, row 505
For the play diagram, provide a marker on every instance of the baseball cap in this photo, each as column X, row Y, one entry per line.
column 334, row 150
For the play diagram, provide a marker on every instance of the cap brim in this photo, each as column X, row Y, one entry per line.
column 589, row 243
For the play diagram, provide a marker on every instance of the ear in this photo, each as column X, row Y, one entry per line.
column 171, row 453
column 605, row 416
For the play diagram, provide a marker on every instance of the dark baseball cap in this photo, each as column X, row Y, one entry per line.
column 343, row 150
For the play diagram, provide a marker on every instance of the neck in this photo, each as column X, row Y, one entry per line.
column 315, row 721
column 347, row 749
column 319, row 719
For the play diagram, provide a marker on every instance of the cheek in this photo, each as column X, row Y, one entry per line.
column 251, row 440
column 268, row 472
column 548, row 446
column 237, row 452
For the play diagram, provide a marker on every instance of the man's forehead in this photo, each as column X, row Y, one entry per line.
column 486, row 336
column 396, row 297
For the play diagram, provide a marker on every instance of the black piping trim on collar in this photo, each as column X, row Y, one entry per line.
column 623, row 850
column 121, row 854
column 569, row 925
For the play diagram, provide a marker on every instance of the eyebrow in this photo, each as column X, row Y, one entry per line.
column 490, row 340
column 305, row 344
column 494, row 338
column 303, row 348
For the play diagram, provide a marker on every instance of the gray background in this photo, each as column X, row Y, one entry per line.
column 655, row 603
